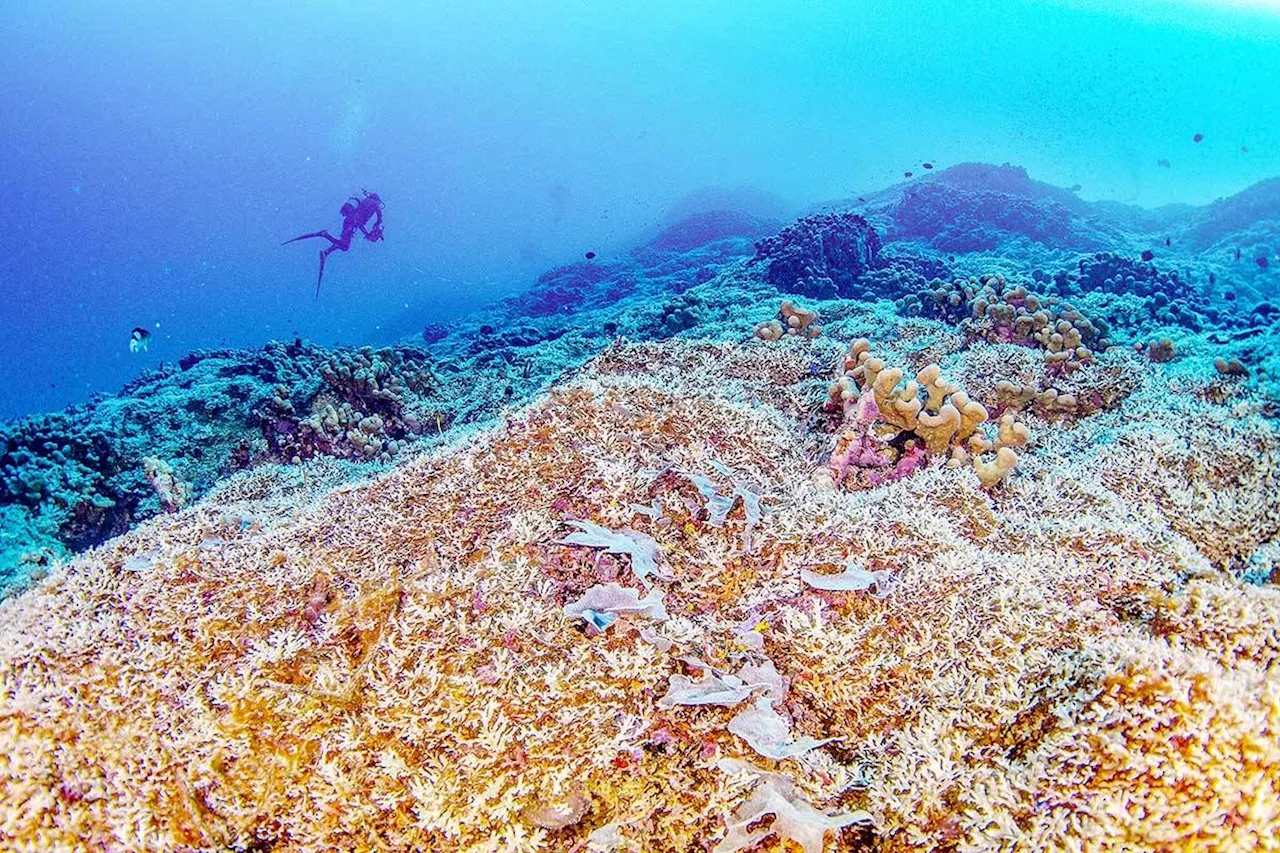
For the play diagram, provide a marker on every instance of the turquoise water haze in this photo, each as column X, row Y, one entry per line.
column 157, row 154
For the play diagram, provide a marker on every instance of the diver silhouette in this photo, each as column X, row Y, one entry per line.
column 356, row 214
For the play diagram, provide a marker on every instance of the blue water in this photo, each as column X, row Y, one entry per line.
column 156, row 154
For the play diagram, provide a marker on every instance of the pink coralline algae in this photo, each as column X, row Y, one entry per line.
column 857, row 447
column 911, row 461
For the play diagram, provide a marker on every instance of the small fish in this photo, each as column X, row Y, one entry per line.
column 906, row 174
column 1163, row 164
column 1166, row 242
column 1147, row 254
column 951, row 259
column 139, row 339
column 1199, row 137
column 1244, row 149
column 591, row 256
column 861, row 200
column 1075, row 188
column 1262, row 261
column 927, row 165
column 1237, row 254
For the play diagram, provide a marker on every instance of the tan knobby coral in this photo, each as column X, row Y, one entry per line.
column 880, row 411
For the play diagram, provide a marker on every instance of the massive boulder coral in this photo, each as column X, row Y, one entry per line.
column 567, row 289
column 1080, row 371
column 70, row 476
column 1164, row 297
column 81, row 476
column 791, row 320
column 820, row 256
column 699, row 229
column 898, row 276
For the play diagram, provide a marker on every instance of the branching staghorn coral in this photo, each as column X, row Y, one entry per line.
column 889, row 429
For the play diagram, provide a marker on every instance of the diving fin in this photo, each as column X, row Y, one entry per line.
column 320, row 277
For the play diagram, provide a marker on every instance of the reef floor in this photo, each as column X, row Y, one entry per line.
column 1070, row 659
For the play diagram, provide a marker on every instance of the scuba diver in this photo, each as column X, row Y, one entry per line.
column 356, row 213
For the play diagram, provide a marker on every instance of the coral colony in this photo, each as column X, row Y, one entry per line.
column 947, row 525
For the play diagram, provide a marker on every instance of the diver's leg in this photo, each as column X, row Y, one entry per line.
column 340, row 244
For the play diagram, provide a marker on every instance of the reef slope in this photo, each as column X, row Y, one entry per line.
column 1066, row 661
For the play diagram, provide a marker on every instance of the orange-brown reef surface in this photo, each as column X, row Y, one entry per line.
column 1069, row 658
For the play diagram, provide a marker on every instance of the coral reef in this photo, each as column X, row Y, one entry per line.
column 70, row 477
column 77, row 479
column 791, row 320
column 999, row 311
column 599, row 573
column 889, row 429
column 369, row 403
column 1164, row 297
column 700, row 229
column 82, row 476
column 567, row 289
column 953, row 219
column 171, row 491
column 1073, row 380
column 678, row 314
column 820, row 256
column 408, row 662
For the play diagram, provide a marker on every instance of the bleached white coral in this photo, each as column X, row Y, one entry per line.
column 852, row 579
column 711, row 689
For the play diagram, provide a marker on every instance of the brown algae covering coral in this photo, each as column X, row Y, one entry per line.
column 1065, row 660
